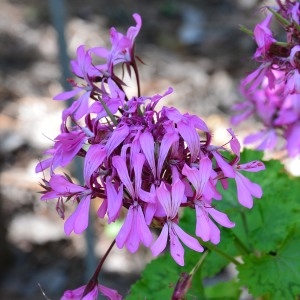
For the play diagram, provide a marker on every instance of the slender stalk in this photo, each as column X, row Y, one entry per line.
column 211, row 247
column 94, row 279
column 245, row 224
column 109, row 113
column 241, row 245
column 199, row 263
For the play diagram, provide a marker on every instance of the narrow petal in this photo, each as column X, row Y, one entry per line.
column 83, row 105
column 147, row 145
column 225, row 167
column 133, row 240
column 138, row 166
column 177, row 197
column 220, row 217
column 93, row 159
column 176, row 249
column 166, row 143
column 143, row 230
column 125, row 229
column 188, row 240
column 215, row 233
column 164, row 197
column 252, row 166
column 191, row 137
column 117, row 137
column 202, row 224
column 199, row 178
column 67, row 95
column 120, row 165
column 161, row 242
column 110, row 293
column 79, row 219
column 62, row 185
column 114, row 200
column 245, row 190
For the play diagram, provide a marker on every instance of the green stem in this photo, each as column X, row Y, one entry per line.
column 279, row 17
column 245, row 224
column 246, row 30
column 198, row 264
column 240, row 245
column 211, row 247
column 109, row 113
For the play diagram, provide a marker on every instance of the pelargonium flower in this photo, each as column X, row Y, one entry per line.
column 276, row 79
column 205, row 227
column 170, row 201
column 144, row 163
column 77, row 294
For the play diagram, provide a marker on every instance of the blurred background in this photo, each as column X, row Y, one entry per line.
column 194, row 46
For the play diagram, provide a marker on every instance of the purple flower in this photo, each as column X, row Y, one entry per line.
column 60, row 186
column 134, row 229
column 82, row 68
column 171, row 201
column 263, row 37
column 199, row 177
column 92, row 294
column 66, row 147
column 245, row 188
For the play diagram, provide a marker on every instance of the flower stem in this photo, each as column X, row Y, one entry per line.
column 94, row 279
column 211, row 247
column 240, row 245
column 109, row 113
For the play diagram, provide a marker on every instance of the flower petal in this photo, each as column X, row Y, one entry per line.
column 188, row 240
column 161, row 242
column 79, row 219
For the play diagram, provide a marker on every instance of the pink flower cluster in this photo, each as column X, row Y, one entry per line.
column 272, row 91
column 152, row 162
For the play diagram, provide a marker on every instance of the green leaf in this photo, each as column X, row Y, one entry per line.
column 229, row 290
column 214, row 262
column 277, row 212
column 161, row 275
column 276, row 275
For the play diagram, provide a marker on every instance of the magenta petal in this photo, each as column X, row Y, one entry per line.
column 142, row 228
column 110, row 293
column 119, row 163
column 225, row 167
column 67, row 95
column 147, row 145
column 102, row 210
column 161, row 242
column 62, row 185
column 43, row 165
column 93, row 159
column 245, row 190
column 79, row 219
column 166, row 143
column 188, row 240
column 191, row 137
column 117, row 137
column 202, row 227
column 83, row 106
column 176, row 249
column 114, row 200
column 139, row 160
column 220, row 217
column 252, row 166
column 215, row 233
column 125, row 229
column 164, row 197
column 199, row 178
column 177, row 197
